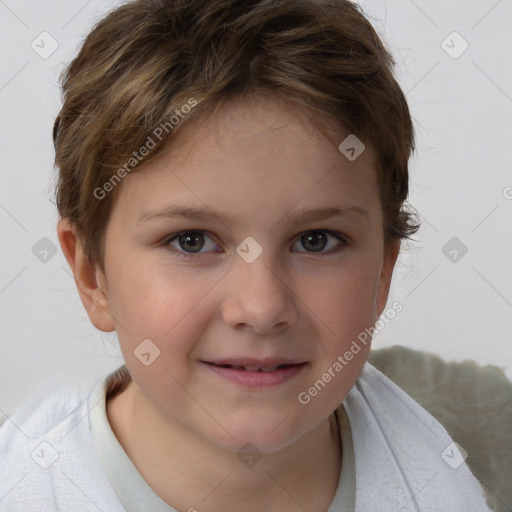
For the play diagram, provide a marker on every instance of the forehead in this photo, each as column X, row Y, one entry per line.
column 252, row 120
column 251, row 153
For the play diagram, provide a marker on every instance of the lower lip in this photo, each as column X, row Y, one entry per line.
column 257, row 379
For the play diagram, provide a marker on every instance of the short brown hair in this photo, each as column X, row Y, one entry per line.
column 145, row 60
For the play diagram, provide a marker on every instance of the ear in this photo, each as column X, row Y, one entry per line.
column 89, row 278
column 390, row 256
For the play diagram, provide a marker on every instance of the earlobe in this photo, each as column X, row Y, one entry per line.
column 88, row 277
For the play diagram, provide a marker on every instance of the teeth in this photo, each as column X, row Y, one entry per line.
column 258, row 369
column 269, row 369
column 253, row 368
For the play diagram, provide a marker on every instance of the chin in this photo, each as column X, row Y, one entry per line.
column 266, row 436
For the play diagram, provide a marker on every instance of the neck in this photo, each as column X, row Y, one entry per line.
column 188, row 472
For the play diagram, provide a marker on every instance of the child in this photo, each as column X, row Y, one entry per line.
column 274, row 137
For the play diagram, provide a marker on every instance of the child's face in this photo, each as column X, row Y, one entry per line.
column 257, row 166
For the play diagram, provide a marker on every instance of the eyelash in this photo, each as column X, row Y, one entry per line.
column 339, row 236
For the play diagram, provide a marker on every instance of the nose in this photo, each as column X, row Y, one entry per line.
column 259, row 299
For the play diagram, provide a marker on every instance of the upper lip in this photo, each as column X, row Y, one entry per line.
column 268, row 362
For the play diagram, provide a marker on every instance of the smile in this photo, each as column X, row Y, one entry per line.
column 254, row 368
column 256, row 376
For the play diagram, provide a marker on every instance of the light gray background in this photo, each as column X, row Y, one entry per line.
column 461, row 183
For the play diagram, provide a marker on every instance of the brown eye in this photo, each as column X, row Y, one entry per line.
column 189, row 243
column 317, row 241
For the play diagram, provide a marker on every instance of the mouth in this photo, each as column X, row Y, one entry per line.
column 252, row 373
column 254, row 368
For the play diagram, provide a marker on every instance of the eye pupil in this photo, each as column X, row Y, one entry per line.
column 316, row 241
column 191, row 238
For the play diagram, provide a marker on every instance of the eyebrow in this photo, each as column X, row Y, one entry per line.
column 302, row 216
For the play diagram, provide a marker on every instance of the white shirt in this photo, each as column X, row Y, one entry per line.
column 63, row 455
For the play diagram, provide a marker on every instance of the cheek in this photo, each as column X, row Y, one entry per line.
column 164, row 305
column 144, row 296
column 342, row 308
column 343, row 302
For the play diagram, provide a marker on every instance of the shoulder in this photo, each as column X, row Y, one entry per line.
column 29, row 446
column 37, row 418
column 472, row 402
column 47, row 451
